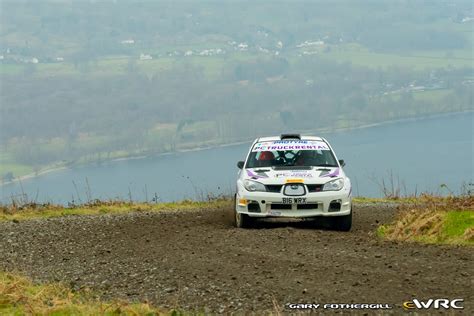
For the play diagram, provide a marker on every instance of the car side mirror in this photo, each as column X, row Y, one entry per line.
column 240, row 164
column 342, row 162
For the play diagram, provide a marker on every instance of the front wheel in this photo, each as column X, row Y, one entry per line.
column 342, row 223
column 241, row 220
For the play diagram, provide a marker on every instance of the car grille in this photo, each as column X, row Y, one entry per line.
column 274, row 188
column 315, row 187
column 311, row 206
column 279, row 206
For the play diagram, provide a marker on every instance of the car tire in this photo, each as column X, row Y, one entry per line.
column 241, row 220
column 342, row 223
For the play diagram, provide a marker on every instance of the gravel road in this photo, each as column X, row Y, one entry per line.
column 196, row 260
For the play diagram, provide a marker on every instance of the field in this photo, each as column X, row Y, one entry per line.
column 8, row 164
column 414, row 60
column 115, row 65
column 213, row 65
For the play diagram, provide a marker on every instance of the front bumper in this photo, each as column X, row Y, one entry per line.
column 265, row 204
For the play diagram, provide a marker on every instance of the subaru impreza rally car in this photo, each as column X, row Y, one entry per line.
column 293, row 176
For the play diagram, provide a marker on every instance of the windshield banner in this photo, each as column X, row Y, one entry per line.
column 290, row 145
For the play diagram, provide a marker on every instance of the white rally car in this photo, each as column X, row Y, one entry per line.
column 293, row 176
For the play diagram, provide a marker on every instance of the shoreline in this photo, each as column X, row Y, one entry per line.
column 236, row 143
column 34, row 175
column 388, row 122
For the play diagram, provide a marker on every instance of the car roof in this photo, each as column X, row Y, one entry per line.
column 274, row 138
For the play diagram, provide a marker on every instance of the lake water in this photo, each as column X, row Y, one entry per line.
column 421, row 155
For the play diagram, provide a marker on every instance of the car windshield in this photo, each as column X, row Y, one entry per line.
column 291, row 154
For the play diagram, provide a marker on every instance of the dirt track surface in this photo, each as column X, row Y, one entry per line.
column 196, row 260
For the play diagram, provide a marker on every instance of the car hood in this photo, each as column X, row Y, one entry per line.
column 315, row 175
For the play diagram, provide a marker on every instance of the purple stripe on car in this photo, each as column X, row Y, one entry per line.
column 254, row 175
column 333, row 174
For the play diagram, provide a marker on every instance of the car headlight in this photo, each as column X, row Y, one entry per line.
column 253, row 186
column 334, row 185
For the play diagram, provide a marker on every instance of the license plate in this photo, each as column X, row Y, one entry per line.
column 295, row 200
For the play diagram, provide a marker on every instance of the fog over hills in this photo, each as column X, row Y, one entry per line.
column 88, row 80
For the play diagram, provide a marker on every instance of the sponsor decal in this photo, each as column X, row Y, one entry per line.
column 439, row 303
column 301, row 175
column 290, row 145
column 293, row 175
column 293, row 141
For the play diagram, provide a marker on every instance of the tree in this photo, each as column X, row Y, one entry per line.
column 8, row 176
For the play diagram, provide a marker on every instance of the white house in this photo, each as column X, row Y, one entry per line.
column 128, row 42
column 243, row 46
column 309, row 43
column 145, row 57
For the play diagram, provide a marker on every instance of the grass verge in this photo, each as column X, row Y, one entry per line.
column 427, row 218
column 34, row 210
column 20, row 296
column 434, row 220
column 370, row 200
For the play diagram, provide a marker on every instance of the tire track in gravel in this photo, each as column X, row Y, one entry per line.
column 197, row 261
